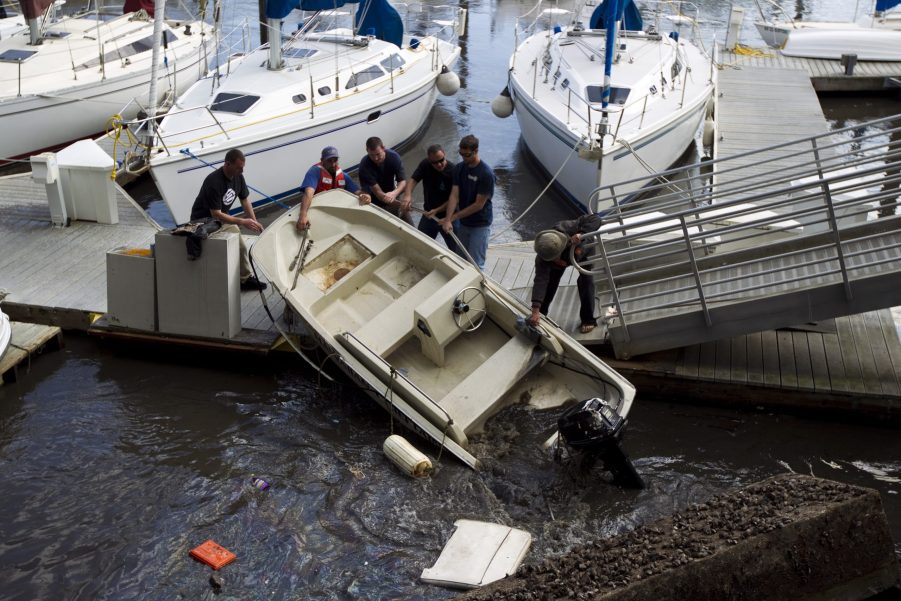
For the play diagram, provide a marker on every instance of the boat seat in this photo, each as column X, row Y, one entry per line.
column 478, row 396
column 434, row 318
column 391, row 326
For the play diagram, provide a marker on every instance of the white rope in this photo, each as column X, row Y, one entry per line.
column 540, row 194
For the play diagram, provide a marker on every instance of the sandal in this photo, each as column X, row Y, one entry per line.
column 587, row 327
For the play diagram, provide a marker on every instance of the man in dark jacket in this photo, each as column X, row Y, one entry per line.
column 436, row 174
column 552, row 259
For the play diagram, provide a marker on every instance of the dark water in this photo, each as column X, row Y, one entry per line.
column 115, row 462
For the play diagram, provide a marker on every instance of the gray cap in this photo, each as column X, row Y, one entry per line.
column 329, row 152
column 549, row 244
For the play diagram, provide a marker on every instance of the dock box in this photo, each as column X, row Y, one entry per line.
column 131, row 288
column 88, row 189
column 200, row 297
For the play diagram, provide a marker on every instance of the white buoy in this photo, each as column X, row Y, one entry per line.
column 407, row 457
column 502, row 105
column 448, row 82
column 707, row 136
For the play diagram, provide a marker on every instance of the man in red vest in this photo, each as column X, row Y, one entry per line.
column 325, row 175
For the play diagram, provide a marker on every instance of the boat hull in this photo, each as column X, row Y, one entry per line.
column 554, row 84
column 277, row 163
column 5, row 334
column 830, row 44
column 401, row 317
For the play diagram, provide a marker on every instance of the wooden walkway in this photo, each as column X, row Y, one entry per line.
column 825, row 75
column 27, row 340
column 57, row 275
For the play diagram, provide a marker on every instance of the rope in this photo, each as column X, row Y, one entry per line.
column 540, row 194
column 187, row 152
column 114, row 130
column 743, row 50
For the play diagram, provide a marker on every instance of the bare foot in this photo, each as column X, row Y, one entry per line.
column 587, row 327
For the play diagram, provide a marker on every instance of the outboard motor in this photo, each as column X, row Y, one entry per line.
column 594, row 429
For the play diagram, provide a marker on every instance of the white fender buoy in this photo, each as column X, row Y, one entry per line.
column 502, row 105
column 707, row 136
column 407, row 457
column 448, row 82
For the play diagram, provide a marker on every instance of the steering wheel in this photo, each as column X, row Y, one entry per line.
column 469, row 309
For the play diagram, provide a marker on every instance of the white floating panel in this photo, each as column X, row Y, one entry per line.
column 478, row 553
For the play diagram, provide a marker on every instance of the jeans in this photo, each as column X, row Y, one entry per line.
column 430, row 228
column 585, row 285
column 475, row 240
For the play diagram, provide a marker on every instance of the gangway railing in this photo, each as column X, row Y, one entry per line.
column 817, row 211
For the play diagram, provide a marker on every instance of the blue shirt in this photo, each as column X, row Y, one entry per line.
column 471, row 182
column 311, row 180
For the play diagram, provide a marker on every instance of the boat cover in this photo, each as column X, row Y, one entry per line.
column 374, row 17
column 32, row 9
column 629, row 15
column 884, row 5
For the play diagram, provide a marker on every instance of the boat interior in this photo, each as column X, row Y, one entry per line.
column 449, row 343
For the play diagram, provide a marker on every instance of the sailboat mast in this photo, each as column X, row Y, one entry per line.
column 159, row 7
column 611, row 14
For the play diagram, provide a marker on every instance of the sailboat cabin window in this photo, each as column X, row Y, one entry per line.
column 13, row 56
column 367, row 74
column 299, row 52
column 324, row 90
column 617, row 95
column 233, row 103
column 395, row 61
column 299, row 98
column 138, row 46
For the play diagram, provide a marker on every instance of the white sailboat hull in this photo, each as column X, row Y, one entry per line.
column 551, row 83
column 63, row 90
column 830, row 44
column 5, row 333
column 276, row 164
column 391, row 324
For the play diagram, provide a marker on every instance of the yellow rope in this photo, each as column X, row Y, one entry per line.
column 748, row 51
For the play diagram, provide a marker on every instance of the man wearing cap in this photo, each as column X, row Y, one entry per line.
column 325, row 175
column 382, row 177
column 552, row 259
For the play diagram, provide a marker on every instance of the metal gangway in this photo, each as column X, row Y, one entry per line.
column 722, row 248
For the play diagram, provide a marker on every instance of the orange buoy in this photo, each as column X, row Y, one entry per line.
column 213, row 555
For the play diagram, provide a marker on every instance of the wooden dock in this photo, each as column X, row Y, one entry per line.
column 824, row 75
column 57, row 275
column 27, row 340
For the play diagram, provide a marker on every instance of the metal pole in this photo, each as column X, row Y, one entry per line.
column 833, row 223
column 695, row 271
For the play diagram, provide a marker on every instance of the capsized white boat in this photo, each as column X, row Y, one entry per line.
column 325, row 86
column 421, row 330
column 866, row 43
column 594, row 123
column 776, row 32
column 5, row 333
column 62, row 79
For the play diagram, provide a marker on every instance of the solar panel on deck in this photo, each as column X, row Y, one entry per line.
column 14, row 56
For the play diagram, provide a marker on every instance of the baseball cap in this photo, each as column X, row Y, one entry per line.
column 329, row 152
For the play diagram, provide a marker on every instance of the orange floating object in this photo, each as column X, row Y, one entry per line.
column 213, row 555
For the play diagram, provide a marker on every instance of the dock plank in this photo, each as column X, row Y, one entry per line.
column 803, row 367
column 787, row 367
column 755, row 358
column 769, row 345
column 26, row 340
column 818, row 364
column 850, row 360
column 881, row 358
column 862, row 342
column 739, row 359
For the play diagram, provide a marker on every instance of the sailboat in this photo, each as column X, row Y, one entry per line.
column 5, row 333
column 62, row 78
column 589, row 125
column 323, row 85
column 865, row 34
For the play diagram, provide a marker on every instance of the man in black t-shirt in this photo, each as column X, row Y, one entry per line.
column 217, row 198
column 436, row 174
column 382, row 176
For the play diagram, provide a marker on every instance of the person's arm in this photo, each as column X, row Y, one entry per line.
column 407, row 198
column 303, row 222
column 395, row 193
column 539, row 289
column 447, row 224
column 475, row 207
column 250, row 221
column 380, row 196
column 352, row 187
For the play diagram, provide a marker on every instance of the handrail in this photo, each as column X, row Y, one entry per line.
column 753, row 230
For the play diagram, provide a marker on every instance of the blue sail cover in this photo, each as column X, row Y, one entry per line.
column 374, row 17
column 628, row 14
column 378, row 18
column 884, row 5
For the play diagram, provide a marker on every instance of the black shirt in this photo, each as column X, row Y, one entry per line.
column 436, row 185
column 218, row 193
column 387, row 175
